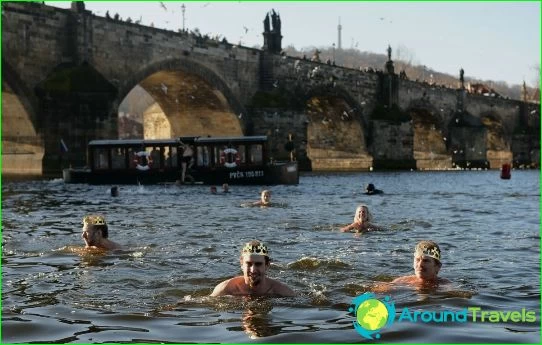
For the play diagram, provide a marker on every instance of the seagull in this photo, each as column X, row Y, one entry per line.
column 163, row 6
column 240, row 115
column 246, row 29
column 164, row 88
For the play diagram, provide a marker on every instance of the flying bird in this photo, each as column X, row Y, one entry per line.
column 246, row 29
column 164, row 88
column 163, row 6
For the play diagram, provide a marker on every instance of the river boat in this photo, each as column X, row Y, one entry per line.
column 208, row 160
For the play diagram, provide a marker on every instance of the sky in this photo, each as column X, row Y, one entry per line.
column 497, row 41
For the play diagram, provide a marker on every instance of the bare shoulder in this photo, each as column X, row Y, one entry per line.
column 227, row 287
column 349, row 228
column 405, row 280
column 281, row 289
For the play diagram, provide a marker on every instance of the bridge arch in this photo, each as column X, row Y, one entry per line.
column 192, row 98
column 430, row 136
column 336, row 130
column 22, row 145
column 498, row 139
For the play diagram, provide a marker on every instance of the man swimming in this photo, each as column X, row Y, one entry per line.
column 95, row 233
column 426, row 265
column 255, row 263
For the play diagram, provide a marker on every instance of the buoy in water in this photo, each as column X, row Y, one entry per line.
column 505, row 171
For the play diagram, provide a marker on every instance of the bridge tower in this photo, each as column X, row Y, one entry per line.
column 272, row 38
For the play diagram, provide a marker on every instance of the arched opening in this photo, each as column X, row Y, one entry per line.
column 497, row 142
column 169, row 101
column 467, row 142
column 336, row 138
column 22, row 147
column 429, row 143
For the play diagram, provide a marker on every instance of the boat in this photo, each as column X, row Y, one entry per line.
column 214, row 160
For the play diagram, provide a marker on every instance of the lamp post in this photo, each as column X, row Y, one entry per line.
column 333, row 52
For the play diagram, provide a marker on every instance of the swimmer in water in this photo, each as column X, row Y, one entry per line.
column 95, row 233
column 426, row 266
column 213, row 189
column 370, row 189
column 265, row 199
column 362, row 221
column 225, row 188
column 255, row 262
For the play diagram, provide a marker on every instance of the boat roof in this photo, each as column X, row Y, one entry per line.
column 245, row 139
column 176, row 141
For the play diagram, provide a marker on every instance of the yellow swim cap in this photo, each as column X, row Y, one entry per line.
column 428, row 248
column 94, row 220
column 255, row 248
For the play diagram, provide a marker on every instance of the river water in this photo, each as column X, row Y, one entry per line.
column 180, row 241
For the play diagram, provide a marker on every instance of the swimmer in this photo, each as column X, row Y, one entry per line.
column 95, row 233
column 213, row 189
column 362, row 220
column 426, row 265
column 370, row 189
column 225, row 188
column 255, row 262
column 114, row 191
column 265, row 199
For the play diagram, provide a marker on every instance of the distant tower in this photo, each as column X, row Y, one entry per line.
column 339, row 41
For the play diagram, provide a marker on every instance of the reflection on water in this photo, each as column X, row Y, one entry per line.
column 179, row 242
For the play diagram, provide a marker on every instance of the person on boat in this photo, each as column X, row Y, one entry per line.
column 362, row 221
column 265, row 199
column 370, row 189
column 225, row 188
column 186, row 161
column 426, row 264
column 95, row 233
column 213, row 189
column 255, row 263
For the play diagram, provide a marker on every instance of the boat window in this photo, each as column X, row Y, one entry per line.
column 118, row 160
column 132, row 155
column 241, row 152
column 202, row 156
column 155, row 158
column 216, row 156
column 100, row 158
column 171, row 157
column 256, row 154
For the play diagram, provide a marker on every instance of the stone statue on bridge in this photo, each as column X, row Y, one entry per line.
column 266, row 27
column 389, row 52
column 462, row 77
column 316, row 56
column 275, row 20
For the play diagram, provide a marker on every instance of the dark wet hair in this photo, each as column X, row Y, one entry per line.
column 370, row 187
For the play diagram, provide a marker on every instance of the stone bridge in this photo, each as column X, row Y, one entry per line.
column 66, row 71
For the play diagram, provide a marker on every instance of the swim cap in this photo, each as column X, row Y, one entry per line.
column 428, row 248
column 255, row 248
column 94, row 220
